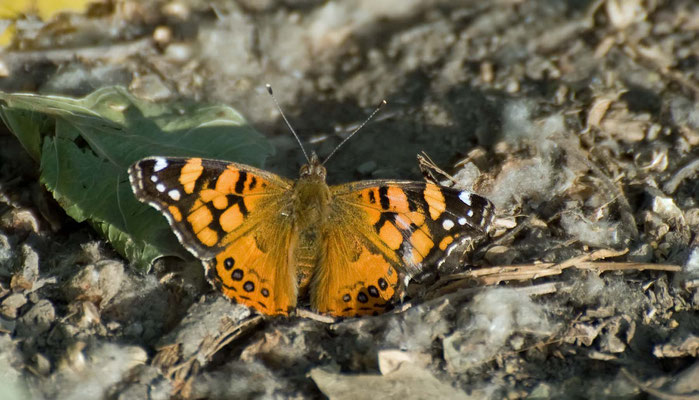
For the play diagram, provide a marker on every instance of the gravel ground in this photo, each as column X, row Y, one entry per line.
column 578, row 119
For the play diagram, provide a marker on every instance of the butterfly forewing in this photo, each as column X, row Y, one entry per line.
column 398, row 227
column 417, row 220
column 223, row 213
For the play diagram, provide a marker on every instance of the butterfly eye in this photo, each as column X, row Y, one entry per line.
column 305, row 170
column 320, row 171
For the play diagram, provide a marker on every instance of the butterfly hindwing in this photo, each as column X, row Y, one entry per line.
column 353, row 277
column 255, row 271
column 213, row 206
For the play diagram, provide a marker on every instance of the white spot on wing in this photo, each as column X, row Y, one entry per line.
column 173, row 224
column 160, row 164
column 465, row 197
column 409, row 257
column 402, row 222
column 174, row 194
column 160, row 187
column 447, row 224
column 462, row 221
column 453, row 246
column 153, row 178
column 469, row 213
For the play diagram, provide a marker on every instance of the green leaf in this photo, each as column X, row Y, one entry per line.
column 85, row 147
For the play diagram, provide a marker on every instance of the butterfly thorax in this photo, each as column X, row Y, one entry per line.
column 311, row 196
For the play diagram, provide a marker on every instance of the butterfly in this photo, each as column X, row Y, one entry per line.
column 266, row 240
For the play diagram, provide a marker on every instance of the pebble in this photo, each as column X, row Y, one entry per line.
column 42, row 364
column 99, row 281
column 37, row 320
column 10, row 305
column 22, row 220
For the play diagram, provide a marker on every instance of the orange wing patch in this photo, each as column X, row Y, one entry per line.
column 255, row 273
column 391, row 236
column 435, row 200
column 400, row 222
column 420, row 243
column 234, row 191
column 189, row 174
column 446, row 242
column 353, row 279
column 175, row 212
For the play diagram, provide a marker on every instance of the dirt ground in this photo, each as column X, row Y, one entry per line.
column 578, row 119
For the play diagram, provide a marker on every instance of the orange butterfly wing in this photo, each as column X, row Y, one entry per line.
column 381, row 231
column 224, row 214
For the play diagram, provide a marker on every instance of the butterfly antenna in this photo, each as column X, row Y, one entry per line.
column 276, row 103
column 383, row 103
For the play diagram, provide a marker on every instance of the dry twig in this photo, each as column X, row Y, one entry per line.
column 689, row 170
column 114, row 53
column 524, row 272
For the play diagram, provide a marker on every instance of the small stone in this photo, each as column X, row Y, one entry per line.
column 30, row 269
column 512, row 86
column 691, row 267
column 21, row 220
column 686, row 345
column 73, row 359
column 390, row 360
column 691, row 216
column 98, row 282
column 7, row 325
column 113, row 325
column 612, row 344
column 641, row 254
column 30, row 265
column 666, row 208
column 10, row 305
column 177, row 9
column 541, row 391
column 4, row 70
column 686, row 381
column 84, row 314
column 500, row 255
column 5, row 250
column 517, row 342
column 178, row 52
column 467, row 176
column 33, row 297
column 42, row 365
column 91, row 252
column 150, row 87
column 133, row 330
column 135, row 391
column 37, row 320
column 162, row 35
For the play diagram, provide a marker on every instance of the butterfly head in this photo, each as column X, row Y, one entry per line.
column 314, row 170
